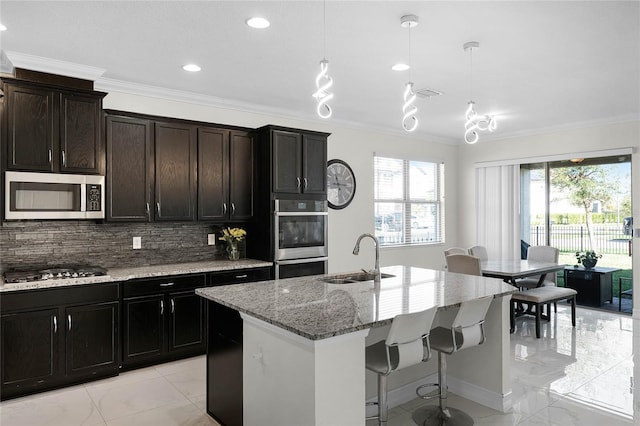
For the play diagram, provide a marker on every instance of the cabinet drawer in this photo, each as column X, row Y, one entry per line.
column 161, row 285
column 35, row 299
column 239, row 276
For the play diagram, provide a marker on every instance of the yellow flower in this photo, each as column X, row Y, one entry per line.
column 233, row 234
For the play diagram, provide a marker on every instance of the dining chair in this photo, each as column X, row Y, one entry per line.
column 406, row 344
column 479, row 251
column 454, row 250
column 463, row 264
column 540, row 254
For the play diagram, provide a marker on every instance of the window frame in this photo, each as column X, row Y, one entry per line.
column 407, row 233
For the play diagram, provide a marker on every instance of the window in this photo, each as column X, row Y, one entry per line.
column 408, row 199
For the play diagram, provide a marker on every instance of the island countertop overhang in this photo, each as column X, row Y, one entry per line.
column 317, row 310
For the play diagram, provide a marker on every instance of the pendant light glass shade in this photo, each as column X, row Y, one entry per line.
column 322, row 94
column 409, row 119
column 474, row 122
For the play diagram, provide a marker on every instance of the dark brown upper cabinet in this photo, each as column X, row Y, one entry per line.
column 299, row 160
column 129, row 169
column 225, row 174
column 51, row 129
column 175, row 171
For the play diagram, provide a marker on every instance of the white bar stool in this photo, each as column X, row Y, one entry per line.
column 406, row 344
column 467, row 330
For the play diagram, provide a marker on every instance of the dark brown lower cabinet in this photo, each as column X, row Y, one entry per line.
column 163, row 319
column 57, row 337
column 224, row 350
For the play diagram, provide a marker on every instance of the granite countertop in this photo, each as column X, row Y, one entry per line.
column 317, row 310
column 125, row 274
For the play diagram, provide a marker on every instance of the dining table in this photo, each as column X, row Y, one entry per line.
column 510, row 270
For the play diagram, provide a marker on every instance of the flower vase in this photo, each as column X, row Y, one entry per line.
column 589, row 263
column 232, row 251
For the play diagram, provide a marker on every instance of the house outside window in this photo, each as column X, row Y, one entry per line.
column 409, row 201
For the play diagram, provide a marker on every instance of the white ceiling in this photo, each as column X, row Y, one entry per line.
column 541, row 65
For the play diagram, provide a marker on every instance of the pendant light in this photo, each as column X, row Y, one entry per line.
column 323, row 79
column 409, row 110
column 475, row 122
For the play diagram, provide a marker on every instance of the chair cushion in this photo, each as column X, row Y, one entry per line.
column 376, row 358
column 441, row 340
column 544, row 294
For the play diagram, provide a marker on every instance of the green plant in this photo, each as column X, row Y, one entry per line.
column 588, row 258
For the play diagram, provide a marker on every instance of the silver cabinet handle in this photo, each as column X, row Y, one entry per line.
column 147, row 210
column 166, row 284
column 50, row 157
column 224, row 208
column 298, row 182
column 69, row 320
column 162, row 307
column 55, row 324
column 173, row 306
column 305, row 183
column 64, row 159
column 241, row 276
column 158, row 207
column 233, row 208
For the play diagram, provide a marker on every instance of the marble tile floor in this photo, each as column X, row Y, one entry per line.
column 580, row 376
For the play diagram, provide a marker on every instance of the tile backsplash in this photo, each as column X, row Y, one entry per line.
column 29, row 244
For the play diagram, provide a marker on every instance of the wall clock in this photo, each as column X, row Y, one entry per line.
column 341, row 184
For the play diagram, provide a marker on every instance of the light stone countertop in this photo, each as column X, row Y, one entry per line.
column 125, row 274
column 317, row 310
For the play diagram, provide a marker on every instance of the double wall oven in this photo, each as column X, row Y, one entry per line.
column 300, row 230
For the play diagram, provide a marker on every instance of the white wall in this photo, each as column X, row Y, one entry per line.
column 356, row 147
column 569, row 142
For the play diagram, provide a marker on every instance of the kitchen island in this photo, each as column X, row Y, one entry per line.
column 303, row 341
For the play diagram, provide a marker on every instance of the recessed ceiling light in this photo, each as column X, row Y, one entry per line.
column 191, row 67
column 257, row 22
column 3, row 28
column 400, row 67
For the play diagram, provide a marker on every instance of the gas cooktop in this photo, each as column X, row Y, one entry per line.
column 48, row 273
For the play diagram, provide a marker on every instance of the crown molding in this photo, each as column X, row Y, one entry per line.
column 53, row 66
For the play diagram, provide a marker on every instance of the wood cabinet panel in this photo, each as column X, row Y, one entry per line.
column 314, row 164
column 129, row 162
column 92, row 338
column 213, row 174
column 30, row 122
column 241, row 176
column 286, row 162
column 80, row 142
column 175, row 171
column 144, row 327
column 187, row 320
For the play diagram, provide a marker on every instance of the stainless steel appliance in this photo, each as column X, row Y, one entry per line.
column 300, row 228
column 53, row 196
column 55, row 273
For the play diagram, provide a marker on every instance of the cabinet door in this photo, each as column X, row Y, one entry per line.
column 213, row 174
column 314, row 164
column 30, row 128
column 29, row 349
column 187, row 321
column 287, row 176
column 129, row 161
column 81, row 148
column 92, row 338
column 143, row 336
column 241, row 180
column 175, row 168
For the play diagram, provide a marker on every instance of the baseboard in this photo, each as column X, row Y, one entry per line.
column 406, row 393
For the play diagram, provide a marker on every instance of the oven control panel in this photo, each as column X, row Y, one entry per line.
column 94, row 198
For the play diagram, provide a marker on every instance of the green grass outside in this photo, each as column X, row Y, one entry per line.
column 621, row 261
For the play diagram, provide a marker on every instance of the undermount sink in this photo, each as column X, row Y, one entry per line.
column 352, row 278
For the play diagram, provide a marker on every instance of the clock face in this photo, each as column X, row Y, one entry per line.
column 341, row 184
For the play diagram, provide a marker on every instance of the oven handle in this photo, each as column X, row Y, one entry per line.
column 305, row 260
column 302, row 213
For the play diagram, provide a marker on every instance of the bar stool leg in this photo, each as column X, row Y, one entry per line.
column 441, row 414
column 383, row 409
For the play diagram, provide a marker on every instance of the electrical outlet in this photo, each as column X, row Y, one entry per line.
column 137, row 243
column 211, row 239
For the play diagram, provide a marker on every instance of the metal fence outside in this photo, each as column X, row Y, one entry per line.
column 610, row 238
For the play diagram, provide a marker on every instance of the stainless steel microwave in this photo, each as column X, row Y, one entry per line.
column 53, row 196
